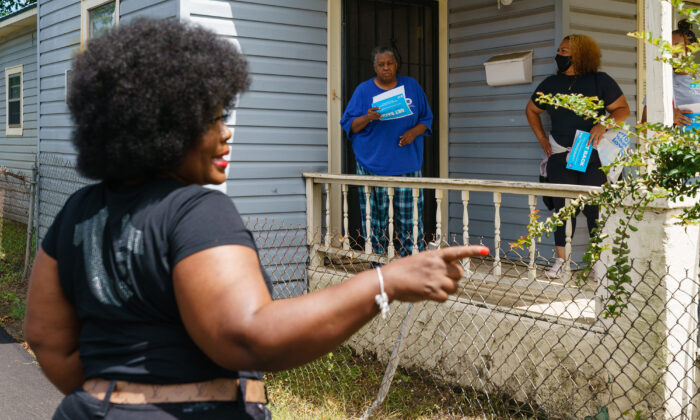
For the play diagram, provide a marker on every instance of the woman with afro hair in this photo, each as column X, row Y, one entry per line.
column 578, row 64
column 147, row 298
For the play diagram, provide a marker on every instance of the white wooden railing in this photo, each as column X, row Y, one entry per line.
column 318, row 186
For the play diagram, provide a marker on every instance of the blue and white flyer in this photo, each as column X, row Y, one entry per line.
column 580, row 152
column 694, row 115
column 392, row 104
column 611, row 145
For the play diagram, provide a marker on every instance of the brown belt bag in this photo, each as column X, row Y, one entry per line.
column 125, row 392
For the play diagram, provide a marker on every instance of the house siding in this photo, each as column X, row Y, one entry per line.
column 59, row 40
column 608, row 22
column 279, row 125
column 17, row 153
column 489, row 136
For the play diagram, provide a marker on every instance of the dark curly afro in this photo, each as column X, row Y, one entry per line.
column 143, row 95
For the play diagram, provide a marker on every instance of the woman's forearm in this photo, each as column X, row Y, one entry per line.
column 359, row 123
column 291, row 332
column 65, row 371
column 620, row 114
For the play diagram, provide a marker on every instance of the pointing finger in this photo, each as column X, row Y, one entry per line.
column 455, row 253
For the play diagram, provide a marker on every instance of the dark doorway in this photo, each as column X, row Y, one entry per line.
column 411, row 27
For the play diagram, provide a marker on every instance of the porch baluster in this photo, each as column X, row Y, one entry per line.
column 368, row 221
column 346, row 229
column 497, row 234
column 391, row 251
column 438, row 218
column 532, row 270
column 465, row 225
column 416, row 193
column 328, row 215
column 567, row 249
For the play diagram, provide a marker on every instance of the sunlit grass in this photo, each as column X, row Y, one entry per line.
column 343, row 385
column 13, row 289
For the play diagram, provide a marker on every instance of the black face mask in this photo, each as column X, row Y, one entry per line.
column 563, row 62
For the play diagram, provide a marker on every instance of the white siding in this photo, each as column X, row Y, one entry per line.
column 59, row 39
column 17, row 153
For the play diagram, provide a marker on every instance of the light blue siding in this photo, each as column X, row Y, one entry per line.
column 489, row 136
column 18, row 153
column 279, row 125
column 59, row 40
column 608, row 22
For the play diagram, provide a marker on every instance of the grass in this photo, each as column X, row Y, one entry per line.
column 13, row 289
column 344, row 384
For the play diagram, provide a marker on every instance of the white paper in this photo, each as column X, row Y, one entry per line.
column 693, row 108
column 611, row 145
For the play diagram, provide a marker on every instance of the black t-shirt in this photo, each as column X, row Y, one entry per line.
column 116, row 251
column 566, row 122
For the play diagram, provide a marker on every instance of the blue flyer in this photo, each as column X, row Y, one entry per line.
column 694, row 115
column 580, row 152
column 392, row 104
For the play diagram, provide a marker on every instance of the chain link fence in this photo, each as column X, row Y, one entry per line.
column 17, row 198
column 505, row 346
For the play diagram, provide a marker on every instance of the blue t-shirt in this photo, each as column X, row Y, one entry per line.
column 377, row 146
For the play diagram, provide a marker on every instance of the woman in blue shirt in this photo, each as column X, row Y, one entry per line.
column 389, row 147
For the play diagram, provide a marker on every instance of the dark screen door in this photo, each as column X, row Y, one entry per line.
column 411, row 27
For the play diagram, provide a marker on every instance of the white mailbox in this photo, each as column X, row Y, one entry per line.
column 509, row 69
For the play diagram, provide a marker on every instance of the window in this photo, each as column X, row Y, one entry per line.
column 97, row 16
column 14, row 115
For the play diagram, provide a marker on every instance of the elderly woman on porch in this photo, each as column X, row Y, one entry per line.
column 390, row 147
column 147, row 298
column 578, row 63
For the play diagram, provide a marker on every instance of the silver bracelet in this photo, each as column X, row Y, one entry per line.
column 382, row 299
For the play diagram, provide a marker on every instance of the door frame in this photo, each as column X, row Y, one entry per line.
column 335, row 112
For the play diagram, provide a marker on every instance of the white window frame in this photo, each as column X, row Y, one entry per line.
column 11, row 71
column 85, row 7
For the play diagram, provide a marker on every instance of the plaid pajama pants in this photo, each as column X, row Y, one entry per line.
column 403, row 215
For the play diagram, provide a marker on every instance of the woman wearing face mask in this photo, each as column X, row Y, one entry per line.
column 578, row 61
column 685, row 90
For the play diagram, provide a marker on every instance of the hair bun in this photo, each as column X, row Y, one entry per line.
column 684, row 25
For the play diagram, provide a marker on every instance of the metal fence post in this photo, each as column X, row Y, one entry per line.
column 30, row 221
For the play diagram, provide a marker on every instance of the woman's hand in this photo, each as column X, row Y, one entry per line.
column 410, row 135
column 372, row 114
column 546, row 147
column 407, row 138
column 429, row 275
column 361, row 122
column 596, row 134
column 680, row 119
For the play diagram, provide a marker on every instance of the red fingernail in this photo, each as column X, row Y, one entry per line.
column 484, row 251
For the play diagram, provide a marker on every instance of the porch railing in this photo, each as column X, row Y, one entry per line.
column 318, row 215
